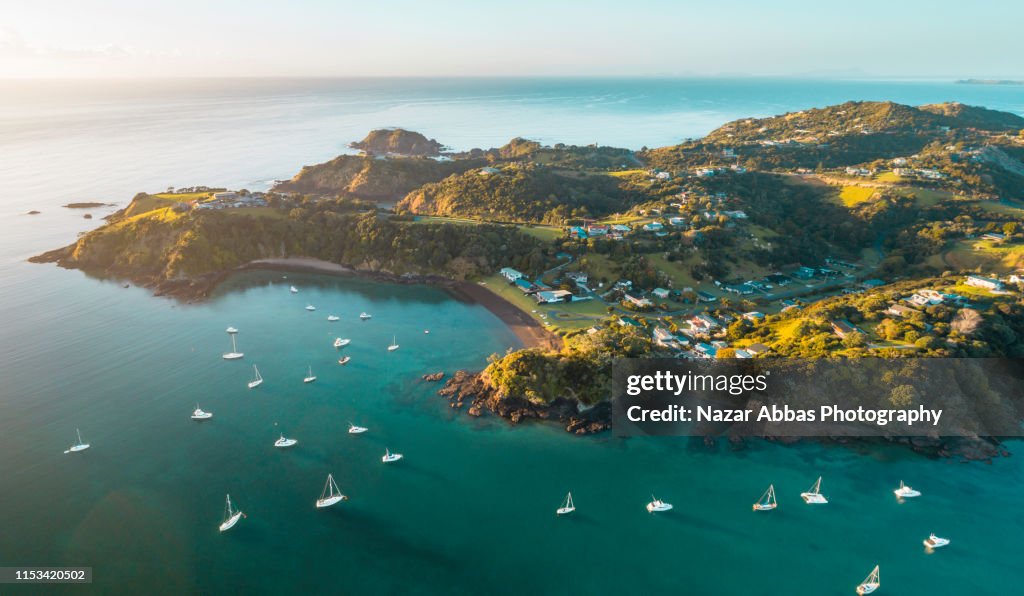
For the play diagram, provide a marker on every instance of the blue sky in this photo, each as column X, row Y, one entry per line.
column 894, row 38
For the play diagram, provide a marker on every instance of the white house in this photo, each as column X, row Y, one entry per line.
column 661, row 293
column 987, row 283
column 510, row 274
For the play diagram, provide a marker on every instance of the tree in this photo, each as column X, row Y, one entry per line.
column 903, row 396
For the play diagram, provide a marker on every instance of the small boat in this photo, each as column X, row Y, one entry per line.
column 356, row 430
column 294, row 290
column 905, row 492
column 341, row 343
column 870, row 583
column 364, row 316
column 333, row 318
column 257, row 380
column 231, row 516
column 933, row 541
column 232, row 330
column 283, row 442
column 767, row 500
column 426, row 331
column 567, row 506
column 79, row 446
column 388, row 456
column 331, row 495
column 234, row 354
column 813, row 496
column 394, row 344
column 657, row 505
column 199, row 414
column 310, row 307
column 344, row 360
column 309, row 376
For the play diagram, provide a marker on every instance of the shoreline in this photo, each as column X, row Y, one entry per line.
column 531, row 333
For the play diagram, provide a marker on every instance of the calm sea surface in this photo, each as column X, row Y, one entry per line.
column 471, row 507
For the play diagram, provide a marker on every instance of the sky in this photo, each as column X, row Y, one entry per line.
column 217, row 38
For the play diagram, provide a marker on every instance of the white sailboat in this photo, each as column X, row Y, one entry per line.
column 905, row 492
column 231, row 330
column 390, row 457
column 293, row 290
column 234, row 354
column 257, row 379
column 656, row 505
column 231, row 516
column 344, row 360
column 310, row 307
column 310, row 377
column 767, row 500
column 870, row 583
column 283, row 442
column 199, row 414
column 364, row 316
column 356, row 430
column 331, row 495
column 567, row 506
column 333, row 318
column 933, row 541
column 341, row 343
column 394, row 343
column 813, row 496
column 79, row 446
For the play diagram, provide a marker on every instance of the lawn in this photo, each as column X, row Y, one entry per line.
column 971, row 254
column 543, row 233
column 852, row 196
column 888, row 177
column 564, row 317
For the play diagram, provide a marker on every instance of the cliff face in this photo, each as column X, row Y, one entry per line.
column 372, row 178
column 399, row 141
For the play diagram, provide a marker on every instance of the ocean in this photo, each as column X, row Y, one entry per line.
column 471, row 507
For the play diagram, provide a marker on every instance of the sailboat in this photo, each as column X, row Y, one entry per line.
column 657, row 505
column 234, row 354
column 231, row 516
column 79, row 446
column 257, row 380
column 310, row 307
column 933, row 541
column 294, row 290
column 364, row 316
column 231, row 330
column 344, row 359
column 283, row 442
column 356, row 430
column 390, row 457
column 331, row 495
column 767, row 500
column 870, row 583
column 309, row 377
column 394, row 344
column 905, row 492
column 332, row 318
column 341, row 343
column 199, row 414
column 567, row 506
column 813, row 496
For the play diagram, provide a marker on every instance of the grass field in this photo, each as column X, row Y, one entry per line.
column 888, row 177
column 852, row 196
column 971, row 254
column 563, row 317
column 543, row 233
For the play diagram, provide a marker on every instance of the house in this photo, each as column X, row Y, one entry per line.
column 549, row 296
column 757, row 349
column 804, row 273
column 579, row 277
column 703, row 296
column 754, row 316
column 511, row 274
column 919, row 299
column 489, row 171
column 638, row 301
column 703, row 350
column 741, row 353
column 737, row 214
column 843, row 327
column 984, row 282
column 858, row 172
column 706, row 172
column 225, row 196
column 898, row 310
column 629, row 322
column 994, row 236
column 597, row 230
column 703, row 323
column 578, row 232
column 738, row 169
column 654, row 226
column 525, row 286
column 660, row 293
column 663, row 337
column 663, row 176
column 622, row 229
column 867, row 284
column 677, row 221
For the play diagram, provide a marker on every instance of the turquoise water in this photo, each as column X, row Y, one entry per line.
column 471, row 507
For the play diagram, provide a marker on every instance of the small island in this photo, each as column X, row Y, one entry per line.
column 855, row 230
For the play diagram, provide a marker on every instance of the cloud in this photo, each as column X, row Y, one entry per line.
column 13, row 44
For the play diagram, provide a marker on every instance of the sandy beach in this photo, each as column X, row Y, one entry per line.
column 526, row 328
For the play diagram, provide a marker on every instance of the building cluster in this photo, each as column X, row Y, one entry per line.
column 232, row 200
